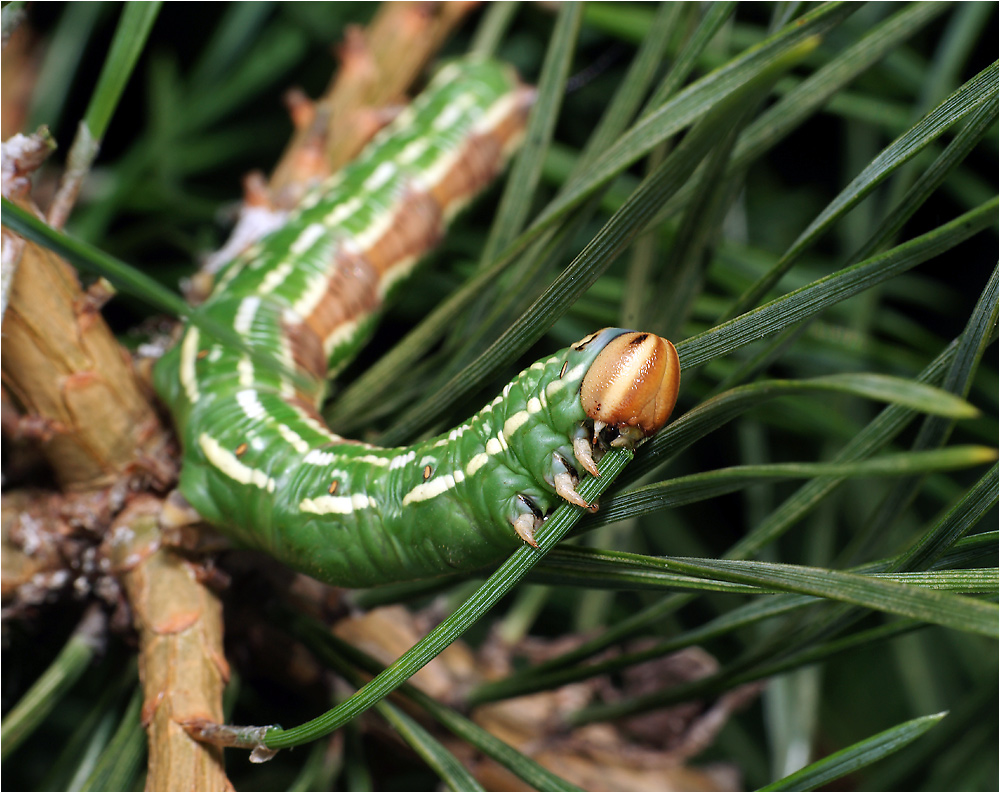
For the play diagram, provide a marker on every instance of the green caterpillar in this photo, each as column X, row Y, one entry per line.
column 260, row 464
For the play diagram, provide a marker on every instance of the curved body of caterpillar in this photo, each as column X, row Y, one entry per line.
column 258, row 461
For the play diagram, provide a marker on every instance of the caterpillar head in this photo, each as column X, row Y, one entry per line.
column 628, row 391
column 631, row 386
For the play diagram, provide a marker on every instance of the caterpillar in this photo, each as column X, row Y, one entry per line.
column 258, row 461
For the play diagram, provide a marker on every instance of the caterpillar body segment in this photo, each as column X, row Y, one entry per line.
column 261, row 465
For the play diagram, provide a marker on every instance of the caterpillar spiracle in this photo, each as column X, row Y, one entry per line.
column 258, row 461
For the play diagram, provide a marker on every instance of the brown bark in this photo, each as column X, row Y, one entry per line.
column 181, row 662
column 62, row 363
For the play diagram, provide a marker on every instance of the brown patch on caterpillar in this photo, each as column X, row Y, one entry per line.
column 306, row 349
column 241, row 450
column 477, row 164
column 483, row 155
column 427, row 472
column 511, row 128
column 351, row 292
column 333, row 487
column 416, row 227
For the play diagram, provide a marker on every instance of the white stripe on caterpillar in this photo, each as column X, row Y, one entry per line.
column 189, row 357
column 245, row 314
column 307, row 238
column 337, row 505
column 226, row 461
column 434, row 487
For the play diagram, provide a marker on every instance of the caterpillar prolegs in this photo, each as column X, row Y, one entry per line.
column 260, row 464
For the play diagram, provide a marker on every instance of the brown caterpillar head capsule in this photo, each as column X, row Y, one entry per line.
column 632, row 386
